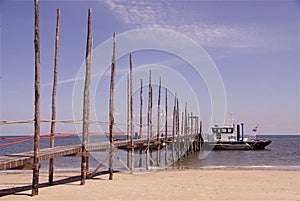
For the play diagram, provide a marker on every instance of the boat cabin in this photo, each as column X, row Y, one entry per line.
column 224, row 133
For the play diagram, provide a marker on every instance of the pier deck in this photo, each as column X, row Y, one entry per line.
column 24, row 160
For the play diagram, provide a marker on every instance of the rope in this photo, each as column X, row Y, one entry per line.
column 68, row 121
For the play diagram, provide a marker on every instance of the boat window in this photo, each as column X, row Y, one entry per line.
column 215, row 130
column 230, row 130
column 224, row 130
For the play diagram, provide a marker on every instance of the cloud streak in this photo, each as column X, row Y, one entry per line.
column 168, row 15
column 93, row 76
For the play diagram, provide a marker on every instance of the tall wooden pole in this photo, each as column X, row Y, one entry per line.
column 86, row 102
column 173, row 130
column 149, row 130
column 182, row 132
column 166, row 127
column 158, row 124
column 111, row 109
column 131, row 115
column 128, row 115
column 141, row 119
column 185, row 129
column 188, row 133
column 192, row 133
column 174, row 117
column 36, row 148
column 55, row 75
column 201, row 137
column 151, row 126
column 177, row 129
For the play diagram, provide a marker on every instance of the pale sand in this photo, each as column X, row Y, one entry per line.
column 224, row 184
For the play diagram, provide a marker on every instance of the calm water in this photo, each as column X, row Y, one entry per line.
column 282, row 153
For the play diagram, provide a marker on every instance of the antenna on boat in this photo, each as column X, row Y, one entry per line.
column 231, row 121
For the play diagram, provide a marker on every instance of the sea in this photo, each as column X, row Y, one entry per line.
column 282, row 154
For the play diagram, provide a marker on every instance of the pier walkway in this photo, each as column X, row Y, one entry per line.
column 25, row 160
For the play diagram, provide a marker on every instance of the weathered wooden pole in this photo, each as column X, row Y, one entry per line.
column 191, row 136
column 166, row 127
column 177, row 117
column 188, row 134
column 195, row 132
column 173, row 129
column 177, row 129
column 174, row 118
column 185, row 130
column 198, row 135
column 53, row 116
column 88, row 107
column 141, row 119
column 86, row 103
column 182, row 132
column 131, row 115
column 149, row 130
column 111, row 109
column 128, row 115
column 158, row 124
column 36, row 148
column 201, row 137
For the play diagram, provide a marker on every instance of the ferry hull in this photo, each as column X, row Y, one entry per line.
column 237, row 145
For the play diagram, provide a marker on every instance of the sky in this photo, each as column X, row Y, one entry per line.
column 253, row 46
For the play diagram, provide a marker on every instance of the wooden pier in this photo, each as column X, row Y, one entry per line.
column 25, row 160
column 180, row 141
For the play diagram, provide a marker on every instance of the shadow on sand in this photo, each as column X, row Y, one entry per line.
column 20, row 189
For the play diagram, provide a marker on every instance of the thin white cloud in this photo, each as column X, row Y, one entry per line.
column 120, row 71
column 168, row 15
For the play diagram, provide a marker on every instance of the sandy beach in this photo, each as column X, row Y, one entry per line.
column 219, row 184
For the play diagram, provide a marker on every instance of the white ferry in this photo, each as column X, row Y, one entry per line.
column 233, row 138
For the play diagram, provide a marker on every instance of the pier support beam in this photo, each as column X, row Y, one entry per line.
column 52, row 131
column 111, row 110
column 36, row 149
column 141, row 120
column 86, row 103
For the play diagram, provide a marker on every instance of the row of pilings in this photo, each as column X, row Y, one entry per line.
column 177, row 141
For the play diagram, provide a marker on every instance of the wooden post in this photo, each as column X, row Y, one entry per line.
column 52, row 130
column 141, row 119
column 158, row 122
column 128, row 114
column 186, row 131
column 149, row 130
column 196, row 134
column 201, row 137
column 86, row 102
column 88, row 107
column 173, row 130
column 174, row 118
column 191, row 136
column 151, row 127
column 131, row 115
column 166, row 127
column 36, row 148
column 182, row 133
column 177, row 129
column 111, row 109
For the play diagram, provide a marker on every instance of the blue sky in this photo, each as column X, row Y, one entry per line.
column 254, row 45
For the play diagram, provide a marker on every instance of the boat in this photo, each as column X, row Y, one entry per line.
column 233, row 138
